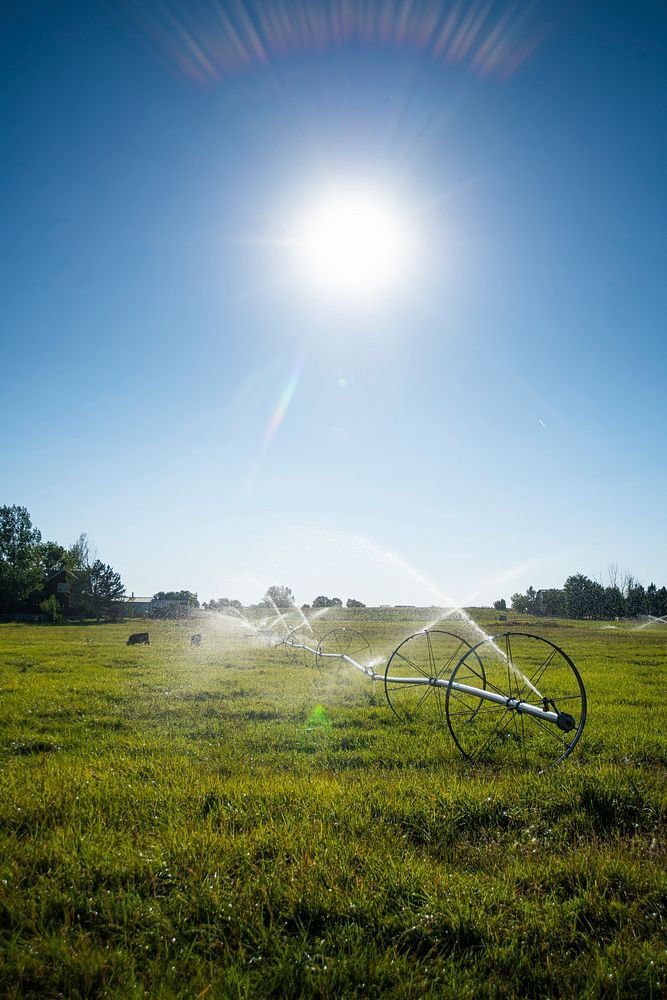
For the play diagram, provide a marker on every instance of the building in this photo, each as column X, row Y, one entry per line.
column 136, row 607
column 60, row 583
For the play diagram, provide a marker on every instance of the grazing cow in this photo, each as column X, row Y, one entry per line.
column 138, row 639
column 196, row 639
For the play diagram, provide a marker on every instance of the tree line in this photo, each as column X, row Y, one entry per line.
column 581, row 597
column 28, row 565
column 281, row 598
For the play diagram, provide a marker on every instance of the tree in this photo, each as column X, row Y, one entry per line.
column 183, row 596
column 20, row 570
column 661, row 602
column 636, row 600
column 585, row 597
column 327, row 602
column 278, row 597
column 613, row 603
column 51, row 608
column 223, row 604
column 54, row 558
column 81, row 555
column 102, row 588
column 351, row 603
column 519, row 602
column 652, row 600
column 551, row 601
column 500, row 605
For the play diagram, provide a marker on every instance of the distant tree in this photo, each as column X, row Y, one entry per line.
column 652, row 600
column 280, row 597
column 519, row 602
column 81, row 555
column 585, row 597
column 500, row 605
column 223, row 604
column 20, row 568
column 327, row 602
column 102, row 589
column 661, row 602
column 636, row 600
column 551, row 601
column 613, row 603
column 352, row 603
column 174, row 604
column 54, row 558
column 184, row 596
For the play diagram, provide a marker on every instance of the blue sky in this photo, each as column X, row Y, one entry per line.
column 168, row 387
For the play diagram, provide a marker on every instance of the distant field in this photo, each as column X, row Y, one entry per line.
column 222, row 822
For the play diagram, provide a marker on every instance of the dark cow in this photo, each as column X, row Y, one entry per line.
column 138, row 639
column 196, row 639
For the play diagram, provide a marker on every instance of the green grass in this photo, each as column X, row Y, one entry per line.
column 180, row 822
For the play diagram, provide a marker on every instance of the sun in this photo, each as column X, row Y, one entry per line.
column 352, row 243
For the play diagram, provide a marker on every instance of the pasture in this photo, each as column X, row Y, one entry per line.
column 223, row 822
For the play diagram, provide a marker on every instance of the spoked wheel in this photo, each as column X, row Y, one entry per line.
column 294, row 642
column 420, row 660
column 339, row 642
column 522, row 672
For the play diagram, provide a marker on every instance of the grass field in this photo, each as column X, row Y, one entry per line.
column 220, row 822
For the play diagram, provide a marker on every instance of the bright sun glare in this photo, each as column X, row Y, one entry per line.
column 352, row 244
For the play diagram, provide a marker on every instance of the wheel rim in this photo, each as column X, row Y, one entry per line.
column 302, row 635
column 422, row 658
column 343, row 642
column 528, row 669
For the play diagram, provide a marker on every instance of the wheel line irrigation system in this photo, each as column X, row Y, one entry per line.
column 515, row 695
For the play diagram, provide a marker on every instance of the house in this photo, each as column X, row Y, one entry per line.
column 60, row 583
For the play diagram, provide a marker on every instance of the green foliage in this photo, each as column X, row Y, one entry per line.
column 182, row 596
column 54, row 558
column 179, row 822
column 50, row 607
column 102, row 588
column 20, row 572
column 331, row 602
column 278, row 597
column 352, row 603
column 223, row 604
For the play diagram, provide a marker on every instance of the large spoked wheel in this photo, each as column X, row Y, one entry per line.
column 294, row 643
column 417, row 672
column 521, row 672
column 340, row 642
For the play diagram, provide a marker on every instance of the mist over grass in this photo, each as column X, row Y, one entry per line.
column 221, row 821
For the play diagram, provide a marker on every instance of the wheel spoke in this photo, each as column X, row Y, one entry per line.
column 411, row 663
column 492, row 734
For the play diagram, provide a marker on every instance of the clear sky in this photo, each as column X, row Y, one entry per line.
column 172, row 382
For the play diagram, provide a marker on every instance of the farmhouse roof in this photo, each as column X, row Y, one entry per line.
column 60, row 572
